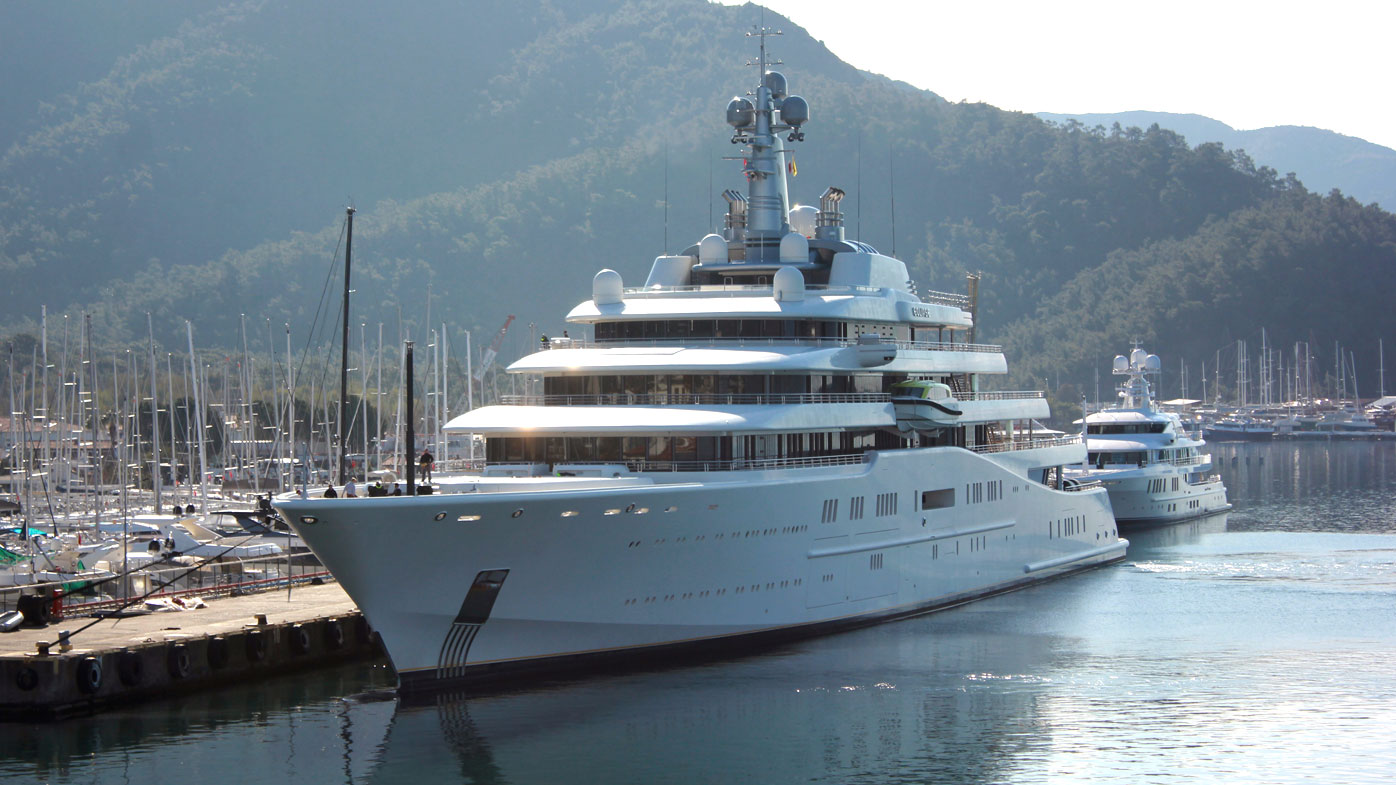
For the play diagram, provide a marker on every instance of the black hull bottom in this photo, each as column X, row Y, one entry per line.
column 425, row 686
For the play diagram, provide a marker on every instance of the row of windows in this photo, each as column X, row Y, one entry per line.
column 698, row 595
column 1066, row 527
column 1102, row 458
column 977, row 492
column 885, row 504
column 1144, row 427
column 616, row 449
column 678, row 384
column 683, row 329
column 1138, row 457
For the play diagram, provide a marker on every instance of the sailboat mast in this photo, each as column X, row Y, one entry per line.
column 198, row 419
column 344, row 349
column 157, row 482
column 93, row 455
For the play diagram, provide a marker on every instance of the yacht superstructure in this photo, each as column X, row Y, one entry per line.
column 1154, row 470
column 717, row 457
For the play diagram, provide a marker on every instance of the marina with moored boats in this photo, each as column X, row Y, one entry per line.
column 776, row 436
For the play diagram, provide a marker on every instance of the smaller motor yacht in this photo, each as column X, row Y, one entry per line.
column 1153, row 469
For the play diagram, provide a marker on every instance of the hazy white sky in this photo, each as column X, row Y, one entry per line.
column 1324, row 63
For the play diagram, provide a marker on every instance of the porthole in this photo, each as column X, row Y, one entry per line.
column 440, row 516
column 672, row 508
column 309, row 520
column 612, row 511
column 631, row 507
column 468, row 518
column 570, row 513
column 640, row 510
column 516, row 513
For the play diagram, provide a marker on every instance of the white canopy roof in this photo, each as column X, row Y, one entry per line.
column 641, row 420
column 885, row 307
column 1095, row 444
column 751, row 357
column 1125, row 416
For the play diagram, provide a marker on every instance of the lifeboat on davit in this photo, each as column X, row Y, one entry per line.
column 924, row 405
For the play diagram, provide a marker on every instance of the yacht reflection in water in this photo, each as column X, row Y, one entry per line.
column 946, row 702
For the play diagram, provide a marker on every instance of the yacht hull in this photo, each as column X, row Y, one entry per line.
column 715, row 562
column 1135, row 504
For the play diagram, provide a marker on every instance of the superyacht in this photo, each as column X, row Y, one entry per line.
column 716, row 460
column 1153, row 469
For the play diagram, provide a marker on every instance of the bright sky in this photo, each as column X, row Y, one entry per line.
column 1323, row 63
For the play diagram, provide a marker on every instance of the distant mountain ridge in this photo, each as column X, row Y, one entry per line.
column 197, row 169
column 1322, row 159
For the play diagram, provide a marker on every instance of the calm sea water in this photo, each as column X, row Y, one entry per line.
column 1253, row 647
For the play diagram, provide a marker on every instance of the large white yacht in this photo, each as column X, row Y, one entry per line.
column 715, row 458
column 1154, row 470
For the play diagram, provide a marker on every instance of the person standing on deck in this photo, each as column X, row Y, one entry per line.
column 424, row 464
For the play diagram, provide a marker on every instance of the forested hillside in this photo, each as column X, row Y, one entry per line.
column 1327, row 159
column 197, row 168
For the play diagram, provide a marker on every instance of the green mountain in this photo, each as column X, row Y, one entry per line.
column 1323, row 159
column 196, row 167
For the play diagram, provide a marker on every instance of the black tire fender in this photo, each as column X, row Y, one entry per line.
column 256, row 642
column 334, row 634
column 177, row 661
column 217, row 653
column 130, row 667
column 26, row 679
column 89, row 675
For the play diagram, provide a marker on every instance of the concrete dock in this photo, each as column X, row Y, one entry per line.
column 133, row 658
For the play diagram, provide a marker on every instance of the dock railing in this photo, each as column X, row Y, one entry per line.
column 170, row 580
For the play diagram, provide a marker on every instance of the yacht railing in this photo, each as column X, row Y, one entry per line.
column 733, row 290
column 739, row 464
column 212, row 578
column 1076, row 486
column 734, row 399
column 1026, row 444
column 1187, row 461
column 1001, row 395
column 691, row 399
column 561, row 468
column 749, row 341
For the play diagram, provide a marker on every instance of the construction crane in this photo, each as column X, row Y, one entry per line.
column 490, row 352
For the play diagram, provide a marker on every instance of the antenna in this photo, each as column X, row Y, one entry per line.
column 666, row 195
column 892, row 190
column 860, row 184
column 762, row 32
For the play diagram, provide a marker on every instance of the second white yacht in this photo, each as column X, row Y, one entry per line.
column 1155, row 471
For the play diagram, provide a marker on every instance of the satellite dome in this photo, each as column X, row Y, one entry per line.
column 803, row 219
column 607, row 287
column 712, row 250
column 1152, row 362
column 794, row 111
column 740, row 112
column 794, row 247
column 775, row 81
column 1137, row 356
column 1120, row 363
column 788, row 284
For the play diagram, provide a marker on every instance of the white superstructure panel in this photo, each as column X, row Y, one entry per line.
column 640, row 420
column 752, row 355
column 884, row 306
